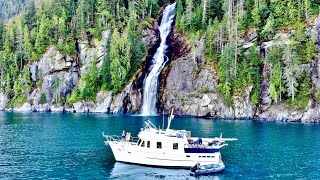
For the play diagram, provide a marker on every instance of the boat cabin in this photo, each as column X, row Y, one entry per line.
column 169, row 140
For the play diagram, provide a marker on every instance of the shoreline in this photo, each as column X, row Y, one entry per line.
column 284, row 120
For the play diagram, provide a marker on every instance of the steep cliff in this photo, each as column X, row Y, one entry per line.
column 56, row 75
column 213, row 70
column 191, row 88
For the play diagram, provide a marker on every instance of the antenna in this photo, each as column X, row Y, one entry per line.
column 170, row 118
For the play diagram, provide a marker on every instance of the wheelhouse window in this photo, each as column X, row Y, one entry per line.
column 175, row 146
column 148, row 144
column 142, row 145
column 159, row 145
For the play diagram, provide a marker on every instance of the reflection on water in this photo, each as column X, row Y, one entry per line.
column 131, row 171
column 70, row 146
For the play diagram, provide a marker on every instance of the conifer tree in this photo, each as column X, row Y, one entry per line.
column 307, row 5
column 26, row 46
column 189, row 12
column 43, row 39
column 22, row 86
column 291, row 71
column 81, row 17
column 204, row 12
column 30, row 19
column 255, row 13
column 120, row 59
column 105, row 69
column 1, row 35
column 91, row 80
column 19, row 42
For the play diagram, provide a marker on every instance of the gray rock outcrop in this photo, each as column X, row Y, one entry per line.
column 243, row 107
column 84, row 106
column 280, row 112
column 103, row 102
column 58, row 74
column 190, row 88
column 129, row 100
column 90, row 51
column 311, row 115
column 53, row 61
column 26, row 107
column 3, row 101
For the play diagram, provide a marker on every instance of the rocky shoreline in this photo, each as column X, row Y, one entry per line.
column 86, row 109
column 188, row 84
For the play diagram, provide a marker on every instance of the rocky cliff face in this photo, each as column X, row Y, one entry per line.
column 188, row 84
column 3, row 101
column 190, row 87
column 57, row 75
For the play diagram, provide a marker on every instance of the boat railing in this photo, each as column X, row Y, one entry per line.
column 112, row 137
column 119, row 138
column 205, row 146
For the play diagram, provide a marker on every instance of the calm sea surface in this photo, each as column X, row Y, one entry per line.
column 70, row 146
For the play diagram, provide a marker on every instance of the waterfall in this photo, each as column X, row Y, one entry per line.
column 150, row 83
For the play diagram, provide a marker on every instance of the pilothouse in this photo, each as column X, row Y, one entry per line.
column 167, row 147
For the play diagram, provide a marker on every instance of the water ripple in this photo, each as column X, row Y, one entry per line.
column 70, row 146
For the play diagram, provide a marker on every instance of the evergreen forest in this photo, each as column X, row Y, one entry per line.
column 29, row 27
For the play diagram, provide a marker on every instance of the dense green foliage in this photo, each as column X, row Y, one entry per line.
column 43, row 98
column 10, row 8
column 227, row 23
column 63, row 23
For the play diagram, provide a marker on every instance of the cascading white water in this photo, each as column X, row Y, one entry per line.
column 150, row 84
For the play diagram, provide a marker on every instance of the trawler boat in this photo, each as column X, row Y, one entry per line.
column 166, row 147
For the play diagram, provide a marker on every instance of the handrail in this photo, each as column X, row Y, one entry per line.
column 204, row 146
column 119, row 138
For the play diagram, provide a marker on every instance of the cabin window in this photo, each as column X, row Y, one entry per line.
column 139, row 141
column 159, row 145
column 208, row 156
column 212, row 156
column 175, row 146
column 148, row 144
column 142, row 145
column 203, row 156
column 187, row 155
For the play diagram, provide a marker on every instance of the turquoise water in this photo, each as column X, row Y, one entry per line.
column 70, row 146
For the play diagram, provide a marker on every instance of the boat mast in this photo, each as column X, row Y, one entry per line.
column 170, row 119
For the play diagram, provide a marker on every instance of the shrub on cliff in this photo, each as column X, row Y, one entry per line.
column 91, row 82
column 43, row 98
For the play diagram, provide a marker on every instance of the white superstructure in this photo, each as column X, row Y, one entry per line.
column 166, row 148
